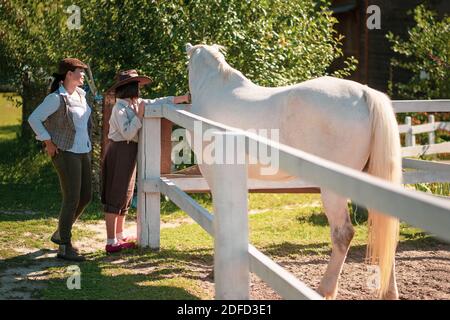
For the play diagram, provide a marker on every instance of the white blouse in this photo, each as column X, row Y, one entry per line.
column 124, row 124
column 80, row 111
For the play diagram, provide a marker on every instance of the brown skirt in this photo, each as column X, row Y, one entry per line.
column 118, row 176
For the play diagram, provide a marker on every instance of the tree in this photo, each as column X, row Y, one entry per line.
column 426, row 55
column 274, row 43
column 33, row 37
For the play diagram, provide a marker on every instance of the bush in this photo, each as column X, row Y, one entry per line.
column 426, row 55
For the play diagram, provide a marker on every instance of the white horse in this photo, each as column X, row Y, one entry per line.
column 338, row 120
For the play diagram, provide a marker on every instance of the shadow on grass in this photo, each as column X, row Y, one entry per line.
column 358, row 215
column 132, row 274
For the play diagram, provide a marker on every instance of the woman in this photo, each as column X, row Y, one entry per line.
column 62, row 122
column 119, row 163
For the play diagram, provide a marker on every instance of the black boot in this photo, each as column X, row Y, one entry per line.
column 55, row 237
column 57, row 240
column 67, row 252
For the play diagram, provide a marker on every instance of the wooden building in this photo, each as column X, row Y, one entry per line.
column 371, row 47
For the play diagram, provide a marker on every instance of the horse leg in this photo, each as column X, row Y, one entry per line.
column 392, row 293
column 341, row 235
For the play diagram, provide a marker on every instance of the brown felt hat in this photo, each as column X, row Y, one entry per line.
column 69, row 64
column 127, row 76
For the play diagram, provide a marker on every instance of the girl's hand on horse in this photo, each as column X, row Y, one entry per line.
column 51, row 148
column 141, row 110
column 182, row 99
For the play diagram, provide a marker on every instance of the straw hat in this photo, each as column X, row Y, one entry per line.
column 127, row 76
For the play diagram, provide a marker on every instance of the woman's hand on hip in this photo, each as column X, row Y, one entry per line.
column 51, row 148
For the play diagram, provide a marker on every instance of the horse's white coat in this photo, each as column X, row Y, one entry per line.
column 327, row 117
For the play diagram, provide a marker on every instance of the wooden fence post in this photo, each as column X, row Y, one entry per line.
column 231, row 259
column 149, row 155
column 431, row 135
column 410, row 139
column 166, row 146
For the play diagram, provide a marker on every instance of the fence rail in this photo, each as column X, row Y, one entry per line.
column 405, row 106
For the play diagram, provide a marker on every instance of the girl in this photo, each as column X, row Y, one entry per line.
column 119, row 163
column 62, row 122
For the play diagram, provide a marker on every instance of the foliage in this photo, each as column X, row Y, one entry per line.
column 426, row 54
column 272, row 42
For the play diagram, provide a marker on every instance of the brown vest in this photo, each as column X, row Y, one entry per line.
column 60, row 126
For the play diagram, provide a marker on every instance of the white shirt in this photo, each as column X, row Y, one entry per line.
column 124, row 124
column 80, row 111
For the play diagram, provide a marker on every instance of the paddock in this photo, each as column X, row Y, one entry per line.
column 234, row 257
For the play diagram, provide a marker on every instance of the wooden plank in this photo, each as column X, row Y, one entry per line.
column 430, row 127
column 166, row 146
column 282, row 281
column 431, row 134
column 426, row 177
column 141, row 229
column 152, row 216
column 424, row 128
column 425, row 165
column 197, row 184
column 229, row 190
column 403, row 106
column 188, row 205
column 410, row 138
column 428, row 149
column 151, row 185
column 409, row 177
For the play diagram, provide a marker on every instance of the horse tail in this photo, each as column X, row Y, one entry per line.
column 385, row 162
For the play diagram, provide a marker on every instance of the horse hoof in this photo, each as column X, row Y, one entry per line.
column 390, row 296
column 327, row 294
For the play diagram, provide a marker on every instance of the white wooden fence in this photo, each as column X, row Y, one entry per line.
column 418, row 171
column 234, row 257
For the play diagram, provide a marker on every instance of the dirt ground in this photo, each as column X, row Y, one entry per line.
column 422, row 274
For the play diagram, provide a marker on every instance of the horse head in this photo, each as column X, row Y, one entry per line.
column 204, row 61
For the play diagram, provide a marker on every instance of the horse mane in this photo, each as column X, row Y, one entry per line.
column 217, row 53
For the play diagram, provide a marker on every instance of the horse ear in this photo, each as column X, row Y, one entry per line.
column 188, row 47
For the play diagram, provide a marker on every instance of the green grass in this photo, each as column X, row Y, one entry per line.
column 288, row 225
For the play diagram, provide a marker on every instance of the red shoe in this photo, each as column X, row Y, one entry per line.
column 127, row 245
column 110, row 248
